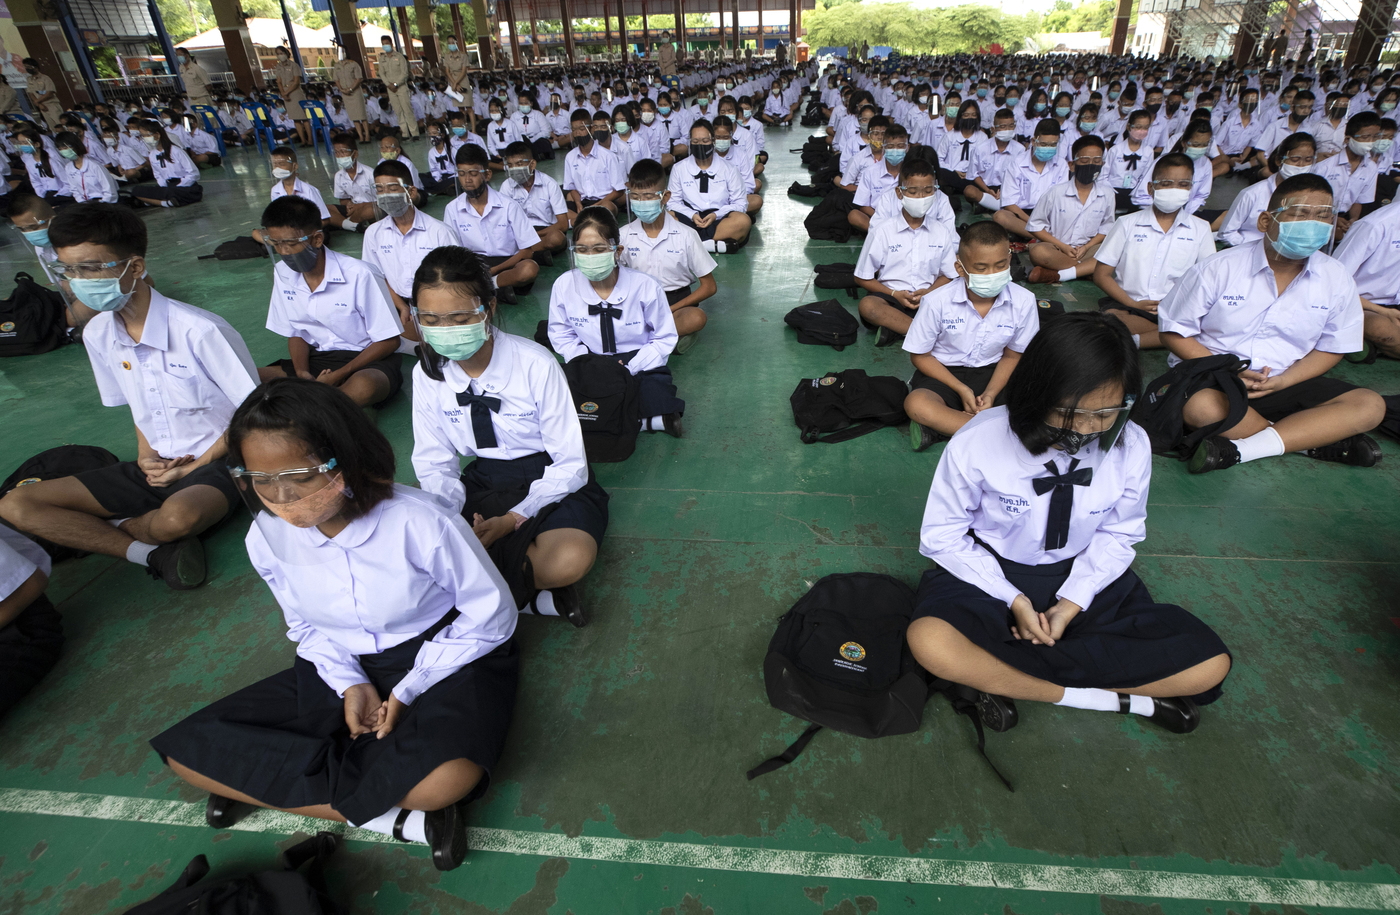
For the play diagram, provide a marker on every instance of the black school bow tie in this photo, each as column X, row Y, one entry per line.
column 1132, row 159
column 482, row 407
column 1061, row 500
column 606, row 314
column 966, row 147
column 704, row 181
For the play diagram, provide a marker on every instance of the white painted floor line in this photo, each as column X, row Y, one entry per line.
column 1044, row 878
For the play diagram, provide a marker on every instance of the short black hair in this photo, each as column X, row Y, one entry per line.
column 393, row 168
column 1048, row 127
column 1358, row 122
column 1071, row 357
column 1296, row 185
column 647, row 173
column 332, row 426
column 580, row 114
column 21, row 203
column 74, row 142
column 518, row 148
column 346, row 139
column 1173, row 160
column 704, row 124
column 895, row 131
column 292, row 212
column 984, row 232
column 281, row 151
column 1290, row 143
column 1084, row 143
column 117, row 228
column 471, row 154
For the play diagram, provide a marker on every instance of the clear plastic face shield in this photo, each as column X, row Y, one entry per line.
column 1078, row 427
column 283, row 488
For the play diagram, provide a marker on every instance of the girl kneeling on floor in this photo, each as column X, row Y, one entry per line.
column 396, row 708
column 477, row 391
column 1032, row 517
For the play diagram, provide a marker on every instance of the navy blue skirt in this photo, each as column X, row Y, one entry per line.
column 656, row 395
column 1121, row 640
column 494, row 487
column 284, row 740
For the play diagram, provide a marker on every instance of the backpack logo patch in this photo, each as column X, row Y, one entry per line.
column 7, row 327
column 588, row 407
column 825, row 382
column 852, row 651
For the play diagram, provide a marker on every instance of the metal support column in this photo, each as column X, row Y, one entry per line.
column 84, row 59
column 512, row 29
column 738, row 38
column 286, row 24
column 680, row 30
column 408, row 50
column 238, row 45
column 1369, row 35
column 1120, row 27
column 427, row 33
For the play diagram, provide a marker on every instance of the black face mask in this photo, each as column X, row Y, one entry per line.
column 1152, row 108
column 1000, row 102
column 476, row 194
column 969, row 123
column 1172, row 107
column 702, row 150
column 1072, row 442
column 601, row 135
column 1085, row 174
column 581, row 142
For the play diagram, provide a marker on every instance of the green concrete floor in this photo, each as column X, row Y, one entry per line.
column 641, row 726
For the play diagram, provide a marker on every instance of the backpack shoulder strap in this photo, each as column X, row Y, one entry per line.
column 787, row 756
column 965, row 704
column 842, row 435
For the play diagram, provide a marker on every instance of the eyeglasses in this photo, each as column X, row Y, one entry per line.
column 1100, row 419
column 646, row 195
column 88, row 270
column 449, row 319
column 390, row 189
column 1300, row 211
column 299, row 476
column 924, row 191
column 288, row 245
column 594, row 249
column 37, row 224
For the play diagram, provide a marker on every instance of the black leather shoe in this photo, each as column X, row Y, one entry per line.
column 506, row 295
column 224, row 812
column 887, row 337
column 446, row 830
column 1215, row 453
column 998, row 713
column 570, row 608
column 671, row 425
column 180, row 564
column 922, row 438
column 1178, row 714
column 1356, row 450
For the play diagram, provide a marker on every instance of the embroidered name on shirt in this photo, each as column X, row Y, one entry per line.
column 1013, row 505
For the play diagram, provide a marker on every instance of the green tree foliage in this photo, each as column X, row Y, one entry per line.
column 1091, row 16
column 949, row 30
column 187, row 18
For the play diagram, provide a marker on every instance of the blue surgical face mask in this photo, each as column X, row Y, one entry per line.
column 895, row 156
column 39, row 238
column 1195, row 152
column 1045, row 153
column 456, row 343
column 595, row 267
column 25, row 149
column 1062, row 111
column 459, row 131
column 106, row 294
column 981, row 93
column 988, row 285
column 1113, row 95
column 1298, row 240
column 646, row 210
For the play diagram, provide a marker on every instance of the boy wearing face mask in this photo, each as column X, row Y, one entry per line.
column 592, row 175
column 1369, row 253
column 353, row 185
column 1240, row 129
column 31, row 215
column 1133, row 270
column 990, row 160
column 1071, row 219
column 391, row 150
column 1028, row 177
column 397, row 244
column 540, row 196
column 904, row 258
column 1352, row 172
column 494, row 226
column 878, row 176
column 966, row 337
column 1293, row 312
column 336, row 312
column 287, row 184
column 182, row 371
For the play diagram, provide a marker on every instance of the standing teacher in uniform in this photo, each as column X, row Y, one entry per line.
column 454, row 66
column 196, row 80
column 288, row 76
column 666, row 55
column 394, row 72
column 348, row 79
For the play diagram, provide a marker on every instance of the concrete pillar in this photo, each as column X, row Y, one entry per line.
column 680, row 30
column 566, row 20
column 484, row 41
column 1372, row 27
column 646, row 29
column 607, row 23
column 427, row 31
column 622, row 28
column 351, row 43
column 406, row 34
column 536, row 52
column 1120, row 27
column 43, row 37
column 738, row 39
column 242, row 56
column 456, row 9
column 513, row 30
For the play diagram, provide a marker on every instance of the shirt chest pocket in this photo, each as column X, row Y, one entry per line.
column 341, row 318
column 1182, row 255
column 186, row 393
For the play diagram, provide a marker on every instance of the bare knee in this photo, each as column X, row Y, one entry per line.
column 566, row 559
column 1205, row 407
column 526, row 271
column 444, row 786
column 175, row 520
column 1368, row 407
column 933, row 642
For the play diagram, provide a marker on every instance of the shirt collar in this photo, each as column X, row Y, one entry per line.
column 960, row 296
column 1260, row 262
column 155, row 332
column 590, row 296
column 356, row 533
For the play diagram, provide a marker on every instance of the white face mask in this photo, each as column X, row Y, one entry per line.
column 988, row 285
column 1288, row 171
column 1170, row 199
column 1006, row 135
column 1359, row 148
column 281, row 174
column 917, row 207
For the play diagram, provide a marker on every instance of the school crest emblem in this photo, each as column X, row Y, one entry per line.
column 825, row 382
column 588, row 406
column 853, row 652
column 126, row 365
column 26, row 481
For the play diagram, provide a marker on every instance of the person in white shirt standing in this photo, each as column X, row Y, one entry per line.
column 397, row 244
column 180, row 369
column 503, row 401
column 395, row 711
column 1148, row 251
column 1032, row 519
column 1292, row 312
column 1071, row 219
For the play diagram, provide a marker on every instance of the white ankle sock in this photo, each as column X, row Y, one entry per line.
column 166, row 203
column 1260, row 445
column 1141, row 705
column 1098, row 700
column 709, row 245
column 412, row 827
column 349, row 226
column 139, row 552
column 654, row 423
column 1068, row 274
column 117, row 522
column 544, row 603
column 1137, row 340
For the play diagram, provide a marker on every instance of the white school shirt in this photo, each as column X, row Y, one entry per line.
column 742, row 161
column 20, row 558
column 955, row 150
column 1235, row 136
column 184, row 379
column 947, row 326
column 303, row 190
column 397, row 254
column 753, row 133
column 1201, row 183
column 1148, row 262
column 1230, row 304
column 873, row 182
column 628, row 151
column 1023, row 186
column 1119, row 172
column 646, row 325
column 1241, row 224
column 1371, row 253
column 725, row 192
column 536, row 415
column 595, row 175
column 675, row 258
column 543, row 202
column 1330, row 139
column 350, row 310
column 990, row 163
column 532, row 126
column 91, row 181
column 1060, row 212
column 983, row 487
column 43, row 184
column 359, row 189
column 387, row 577
column 888, row 206
column 1271, row 135
column 180, row 167
column 499, row 135
column 906, row 258
column 1349, row 187
column 501, row 230
column 656, row 137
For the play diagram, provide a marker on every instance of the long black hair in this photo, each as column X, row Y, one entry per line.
column 458, row 267
column 331, row 425
column 1071, row 357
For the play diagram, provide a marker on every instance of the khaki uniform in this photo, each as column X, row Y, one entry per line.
column 286, row 73
column 395, row 72
column 666, row 58
column 51, row 109
column 9, row 100
column 196, row 84
column 349, row 73
column 455, row 65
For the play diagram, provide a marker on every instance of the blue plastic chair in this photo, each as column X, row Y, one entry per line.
column 320, row 125
column 262, row 126
column 209, row 117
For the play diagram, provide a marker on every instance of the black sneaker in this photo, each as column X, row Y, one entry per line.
column 180, row 564
column 887, row 337
column 223, row 812
column 1215, row 453
column 544, row 258
column 567, row 604
column 921, row 437
column 1358, row 450
column 998, row 713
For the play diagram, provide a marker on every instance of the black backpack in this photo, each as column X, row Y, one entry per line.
column 824, row 323
column 33, row 319
column 285, row 891
column 827, row 221
column 608, row 400
column 839, row 659
column 241, row 248
column 1158, row 411
column 841, row 406
column 838, row 276
column 63, row 461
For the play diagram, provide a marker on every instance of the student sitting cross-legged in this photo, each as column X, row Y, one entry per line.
column 600, row 307
column 671, row 253
column 707, row 194
column 394, row 713
column 593, row 176
column 967, row 337
column 180, row 369
column 336, row 312
column 503, row 401
column 1369, row 254
column 1133, row 269
column 287, row 183
column 1032, row 518
column 494, row 226
column 1072, row 218
column 541, row 197
column 1293, row 312
column 905, row 257
column 354, row 186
